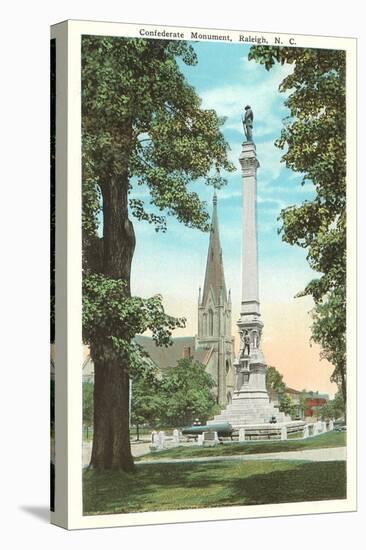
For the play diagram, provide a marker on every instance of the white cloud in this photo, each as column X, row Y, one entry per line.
column 269, row 158
column 234, row 153
column 227, row 193
column 262, row 200
column 257, row 88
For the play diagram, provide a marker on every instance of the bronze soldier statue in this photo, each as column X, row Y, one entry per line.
column 247, row 121
column 245, row 338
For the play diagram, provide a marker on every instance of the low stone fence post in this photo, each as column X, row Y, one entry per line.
column 155, row 443
column 210, row 439
column 305, row 434
column 283, row 433
column 176, row 437
column 161, row 439
column 331, row 425
column 241, row 434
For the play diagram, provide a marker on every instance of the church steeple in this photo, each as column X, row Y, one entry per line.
column 214, row 317
column 214, row 277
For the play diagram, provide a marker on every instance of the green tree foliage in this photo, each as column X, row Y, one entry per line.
column 329, row 329
column 147, row 402
column 339, row 405
column 333, row 409
column 142, row 119
column 313, row 138
column 327, row 411
column 111, row 318
column 88, row 406
column 287, row 405
column 142, row 124
column 274, row 382
column 302, row 402
column 187, row 390
column 174, row 399
column 277, row 389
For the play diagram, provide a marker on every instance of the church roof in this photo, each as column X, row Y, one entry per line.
column 168, row 357
column 214, row 277
column 163, row 358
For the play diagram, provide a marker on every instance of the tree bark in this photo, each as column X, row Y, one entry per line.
column 111, row 441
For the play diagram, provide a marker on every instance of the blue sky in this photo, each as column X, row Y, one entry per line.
column 173, row 264
column 226, row 81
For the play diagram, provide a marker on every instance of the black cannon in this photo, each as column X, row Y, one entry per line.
column 223, row 429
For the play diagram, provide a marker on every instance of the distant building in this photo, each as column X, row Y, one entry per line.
column 314, row 401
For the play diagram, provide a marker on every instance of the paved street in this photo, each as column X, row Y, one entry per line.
column 138, row 449
column 313, row 455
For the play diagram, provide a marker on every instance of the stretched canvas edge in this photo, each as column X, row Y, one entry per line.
column 68, row 504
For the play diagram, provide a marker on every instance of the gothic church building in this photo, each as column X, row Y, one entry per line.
column 213, row 346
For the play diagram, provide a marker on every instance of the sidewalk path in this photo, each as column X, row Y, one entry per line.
column 313, row 455
column 137, row 449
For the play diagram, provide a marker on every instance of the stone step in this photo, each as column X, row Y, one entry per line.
column 251, row 414
column 250, row 410
column 259, row 410
column 250, row 403
column 245, row 420
column 261, row 413
column 248, row 419
column 252, row 406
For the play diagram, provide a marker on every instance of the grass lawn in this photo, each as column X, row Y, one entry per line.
column 207, row 484
column 329, row 439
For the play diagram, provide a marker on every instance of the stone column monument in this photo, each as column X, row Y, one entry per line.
column 250, row 364
column 250, row 406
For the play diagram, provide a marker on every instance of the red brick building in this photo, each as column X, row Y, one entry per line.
column 314, row 401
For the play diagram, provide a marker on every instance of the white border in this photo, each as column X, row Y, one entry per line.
column 75, row 519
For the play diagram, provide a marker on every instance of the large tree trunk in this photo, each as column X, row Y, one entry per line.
column 111, row 441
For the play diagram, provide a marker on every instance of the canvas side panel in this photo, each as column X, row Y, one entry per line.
column 52, row 264
column 351, row 76
column 59, row 169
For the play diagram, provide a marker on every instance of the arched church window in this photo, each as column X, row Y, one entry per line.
column 210, row 322
column 227, row 366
